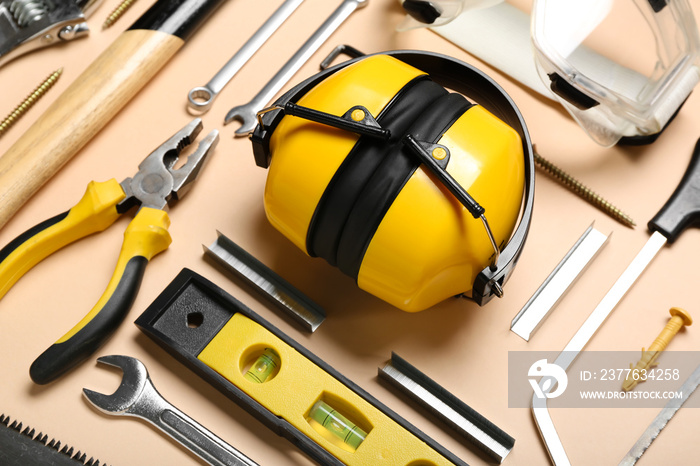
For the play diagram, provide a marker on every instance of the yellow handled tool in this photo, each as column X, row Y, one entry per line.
column 154, row 186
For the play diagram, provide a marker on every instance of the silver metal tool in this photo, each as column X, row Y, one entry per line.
column 661, row 420
column 247, row 113
column 681, row 211
column 476, row 428
column 201, row 98
column 558, row 283
column 289, row 299
column 136, row 396
column 26, row 25
column 569, row 354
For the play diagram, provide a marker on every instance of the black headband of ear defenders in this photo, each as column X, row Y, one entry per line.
column 465, row 79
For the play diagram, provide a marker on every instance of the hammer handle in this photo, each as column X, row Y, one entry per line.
column 96, row 96
column 80, row 112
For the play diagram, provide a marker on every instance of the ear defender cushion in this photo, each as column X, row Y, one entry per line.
column 389, row 178
column 349, row 182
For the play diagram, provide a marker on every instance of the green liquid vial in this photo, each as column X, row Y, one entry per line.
column 337, row 424
column 264, row 366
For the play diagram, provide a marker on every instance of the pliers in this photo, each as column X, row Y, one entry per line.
column 155, row 186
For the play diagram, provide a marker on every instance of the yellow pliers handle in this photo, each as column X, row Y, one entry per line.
column 146, row 236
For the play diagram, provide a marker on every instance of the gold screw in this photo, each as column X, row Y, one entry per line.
column 583, row 191
column 27, row 103
column 117, row 13
column 679, row 319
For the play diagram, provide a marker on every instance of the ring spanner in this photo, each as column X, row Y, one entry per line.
column 247, row 114
column 136, row 396
column 201, row 98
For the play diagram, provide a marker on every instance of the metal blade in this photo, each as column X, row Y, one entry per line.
column 22, row 446
column 661, row 420
column 653, row 245
column 539, row 408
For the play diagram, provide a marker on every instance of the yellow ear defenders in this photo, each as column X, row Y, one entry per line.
column 377, row 168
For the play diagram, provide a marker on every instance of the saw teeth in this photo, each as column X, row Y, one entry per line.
column 42, row 438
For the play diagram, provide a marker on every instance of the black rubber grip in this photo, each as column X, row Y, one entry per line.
column 62, row 357
column 179, row 18
column 32, row 232
column 682, row 210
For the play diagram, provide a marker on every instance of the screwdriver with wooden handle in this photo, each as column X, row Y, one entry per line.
column 96, row 96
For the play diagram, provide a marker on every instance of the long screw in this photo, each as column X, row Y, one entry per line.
column 679, row 319
column 27, row 103
column 583, row 191
column 117, row 13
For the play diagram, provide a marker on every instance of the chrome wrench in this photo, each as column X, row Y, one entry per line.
column 247, row 114
column 201, row 98
column 136, row 396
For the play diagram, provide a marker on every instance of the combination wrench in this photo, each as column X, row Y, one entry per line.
column 247, row 114
column 201, row 98
column 136, row 396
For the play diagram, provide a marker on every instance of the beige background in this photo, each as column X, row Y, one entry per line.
column 460, row 345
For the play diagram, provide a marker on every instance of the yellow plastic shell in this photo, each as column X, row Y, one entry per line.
column 299, row 385
column 306, row 155
column 146, row 236
column 428, row 247
column 94, row 212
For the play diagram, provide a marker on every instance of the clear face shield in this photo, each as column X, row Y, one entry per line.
column 619, row 86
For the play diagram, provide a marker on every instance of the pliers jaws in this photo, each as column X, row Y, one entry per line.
column 157, row 184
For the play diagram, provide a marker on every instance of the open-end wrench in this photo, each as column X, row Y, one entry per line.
column 201, row 98
column 247, row 113
column 136, row 396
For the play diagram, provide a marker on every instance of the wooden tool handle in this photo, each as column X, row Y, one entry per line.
column 80, row 112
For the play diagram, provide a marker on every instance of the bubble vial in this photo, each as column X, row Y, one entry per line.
column 337, row 424
column 265, row 367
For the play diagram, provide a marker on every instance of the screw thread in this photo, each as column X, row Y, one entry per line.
column 583, row 191
column 27, row 103
column 117, row 13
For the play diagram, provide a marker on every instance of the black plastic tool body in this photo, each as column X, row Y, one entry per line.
column 60, row 358
column 682, row 210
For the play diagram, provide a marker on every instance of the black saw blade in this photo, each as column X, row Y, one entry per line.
column 22, row 446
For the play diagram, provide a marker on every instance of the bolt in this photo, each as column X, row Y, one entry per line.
column 583, row 191
column 117, row 13
column 27, row 103
column 679, row 319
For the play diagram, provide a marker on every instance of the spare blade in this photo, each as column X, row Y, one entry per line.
column 661, row 419
column 22, row 446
